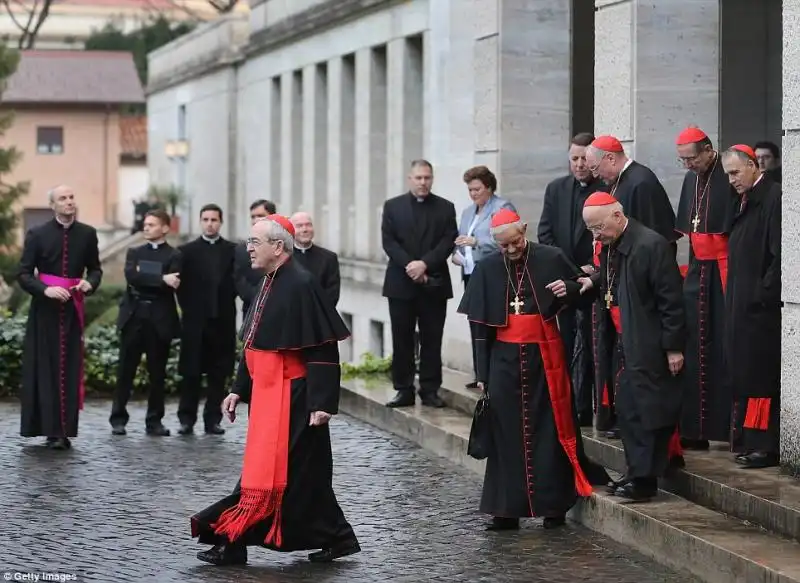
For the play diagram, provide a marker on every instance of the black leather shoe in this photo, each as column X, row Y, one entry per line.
column 214, row 429
column 612, row 433
column 636, row 492
column 335, row 552
column 472, row 385
column 757, row 460
column 118, row 430
column 157, row 430
column 60, row 443
column 500, row 523
column 185, row 429
column 402, row 399
column 551, row 522
column 432, row 401
column 224, row 554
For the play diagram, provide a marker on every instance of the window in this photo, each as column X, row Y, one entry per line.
column 50, row 140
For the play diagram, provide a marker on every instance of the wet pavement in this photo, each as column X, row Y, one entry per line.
column 117, row 509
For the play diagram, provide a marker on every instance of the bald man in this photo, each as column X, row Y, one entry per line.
column 641, row 291
column 322, row 263
column 60, row 266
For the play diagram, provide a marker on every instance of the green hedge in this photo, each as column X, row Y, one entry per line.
column 102, row 357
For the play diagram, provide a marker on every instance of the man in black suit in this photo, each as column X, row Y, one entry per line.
column 248, row 279
column 321, row 262
column 207, row 297
column 419, row 231
column 561, row 225
column 147, row 322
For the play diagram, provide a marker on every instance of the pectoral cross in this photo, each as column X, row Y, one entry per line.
column 609, row 298
column 696, row 222
column 517, row 305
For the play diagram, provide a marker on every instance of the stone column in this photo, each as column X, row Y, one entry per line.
column 790, row 259
column 532, row 121
column 676, row 80
column 340, row 155
column 315, row 145
column 289, row 105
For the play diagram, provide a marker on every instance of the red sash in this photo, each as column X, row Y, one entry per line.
column 77, row 297
column 712, row 247
column 533, row 329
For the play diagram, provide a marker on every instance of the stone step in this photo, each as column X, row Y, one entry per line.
column 684, row 536
column 765, row 497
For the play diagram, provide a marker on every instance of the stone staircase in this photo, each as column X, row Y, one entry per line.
column 712, row 520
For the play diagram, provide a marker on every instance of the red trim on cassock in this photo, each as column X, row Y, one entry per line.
column 757, row 414
column 597, row 247
column 684, row 269
column 712, row 247
column 616, row 317
column 533, row 329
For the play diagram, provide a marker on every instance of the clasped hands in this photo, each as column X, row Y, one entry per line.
column 56, row 292
column 416, row 270
column 316, row 419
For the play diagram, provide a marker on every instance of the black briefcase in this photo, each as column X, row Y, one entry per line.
column 480, row 434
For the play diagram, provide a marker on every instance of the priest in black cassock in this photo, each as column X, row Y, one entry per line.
column 60, row 265
column 321, row 262
column 248, row 280
column 561, row 225
column 536, row 466
column 644, row 199
column 148, row 321
column 704, row 215
column 642, row 292
column 753, row 308
column 289, row 375
column 207, row 297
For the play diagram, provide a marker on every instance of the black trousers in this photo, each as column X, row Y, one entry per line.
column 216, row 361
column 405, row 315
column 472, row 334
column 139, row 336
column 580, row 359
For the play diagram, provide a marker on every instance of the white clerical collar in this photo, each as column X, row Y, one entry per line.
column 757, row 180
column 303, row 249
column 210, row 240
column 63, row 224
column 624, row 168
column 155, row 245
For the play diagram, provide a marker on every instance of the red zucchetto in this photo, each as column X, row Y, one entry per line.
column 690, row 135
column 283, row 222
column 599, row 199
column 607, row 144
column 746, row 150
column 504, row 217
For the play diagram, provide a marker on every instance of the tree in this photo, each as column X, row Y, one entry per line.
column 28, row 18
column 158, row 32
column 9, row 156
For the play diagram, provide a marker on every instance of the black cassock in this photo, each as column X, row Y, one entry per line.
column 644, row 199
column 561, row 225
column 296, row 318
column 537, row 466
column 323, row 265
column 52, row 374
column 704, row 215
column 646, row 305
column 753, row 316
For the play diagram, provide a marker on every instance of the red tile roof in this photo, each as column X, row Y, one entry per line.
column 133, row 136
column 74, row 77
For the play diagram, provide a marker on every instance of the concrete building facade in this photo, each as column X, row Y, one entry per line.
column 320, row 105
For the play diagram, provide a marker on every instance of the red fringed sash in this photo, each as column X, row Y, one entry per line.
column 712, row 247
column 533, row 329
column 266, row 451
column 757, row 414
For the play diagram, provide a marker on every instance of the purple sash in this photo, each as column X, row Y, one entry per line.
column 77, row 296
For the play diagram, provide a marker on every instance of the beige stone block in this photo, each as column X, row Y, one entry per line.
column 791, row 64
column 790, row 211
column 790, row 389
column 486, row 75
column 484, row 14
column 613, row 109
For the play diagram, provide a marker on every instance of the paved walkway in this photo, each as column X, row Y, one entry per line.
column 116, row 509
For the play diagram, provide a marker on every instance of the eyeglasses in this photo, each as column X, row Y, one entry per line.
column 254, row 242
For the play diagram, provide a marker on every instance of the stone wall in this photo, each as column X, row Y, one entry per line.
column 790, row 393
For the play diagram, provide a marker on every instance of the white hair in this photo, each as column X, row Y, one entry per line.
column 51, row 194
column 276, row 232
column 519, row 225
